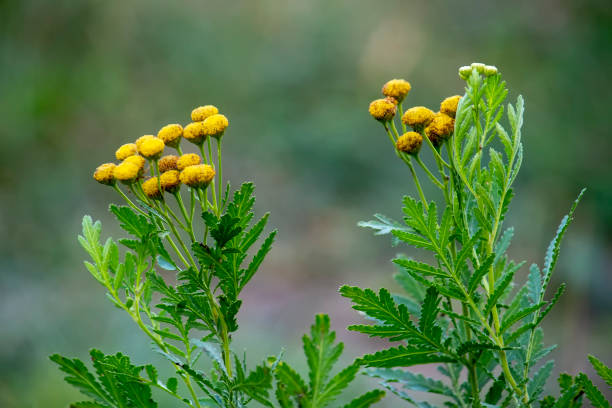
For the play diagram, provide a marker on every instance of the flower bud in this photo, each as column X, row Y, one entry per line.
column 449, row 105
column 409, row 142
column 490, row 70
column 151, row 188
column 382, row 110
column 188, row 159
column 170, row 181
column 465, row 72
column 171, row 134
column 142, row 139
column 418, row 117
column 168, row 162
column 198, row 176
column 104, row 174
column 396, row 89
column 200, row 113
column 125, row 151
column 215, row 125
column 194, row 132
column 479, row 66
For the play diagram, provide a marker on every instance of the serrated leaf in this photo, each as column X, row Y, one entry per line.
column 535, row 386
column 420, row 267
column 592, row 393
column 366, row 400
column 403, row 357
column 509, row 320
column 500, row 289
column 480, row 273
column 604, row 372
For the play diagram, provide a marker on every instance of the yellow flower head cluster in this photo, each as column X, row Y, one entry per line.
column 151, row 188
column 418, row 117
column 151, row 147
column 449, row 105
column 409, row 142
column 215, row 125
column 139, row 161
column 125, row 151
column 200, row 113
column 197, row 176
column 167, row 162
column 171, row 134
column 104, row 174
column 170, row 181
column 186, row 160
column 440, row 128
column 396, row 89
column 382, row 110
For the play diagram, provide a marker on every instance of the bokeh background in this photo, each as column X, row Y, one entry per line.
column 80, row 77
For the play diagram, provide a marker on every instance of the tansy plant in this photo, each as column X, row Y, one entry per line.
column 179, row 277
column 463, row 310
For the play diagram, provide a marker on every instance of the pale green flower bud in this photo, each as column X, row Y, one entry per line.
column 480, row 67
column 465, row 72
column 490, row 70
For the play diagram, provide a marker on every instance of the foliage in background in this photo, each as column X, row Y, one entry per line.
column 193, row 314
column 462, row 308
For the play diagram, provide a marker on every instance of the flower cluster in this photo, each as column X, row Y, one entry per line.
column 168, row 172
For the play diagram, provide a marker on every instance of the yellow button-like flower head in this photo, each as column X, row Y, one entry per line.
column 449, row 105
column 137, row 160
column 440, row 128
column 104, row 174
column 151, row 148
column 409, row 142
column 171, row 134
column 382, row 110
column 170, row 181
column 396, row 89
column 188, row 159
column 125, row 151
column 200, row 113
column 198, row 176
column 142, row 139
column 151, row 188
column 126, row 172
column 167, row 162
column 418, row 117
column 215, row 125
column 194, row 132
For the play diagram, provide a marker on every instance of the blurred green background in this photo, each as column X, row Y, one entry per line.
column 79, row 78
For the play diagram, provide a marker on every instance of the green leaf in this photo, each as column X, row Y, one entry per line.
column 535, row 386
column 290, row 384
column 131, row 222
column 411, row 381
column 321, row 353
column 258, row 259
column 500, row 289
column 403, row 357
column 366, row 400
column 80, row 377
column 552, row 253
column 509, row 320
column 592, row 393
column 336, row 384
column 534, row 283
column 429, row 312
column 382, row 225
column 480, row 273
column 421, row 268
column 604, row 372
column 552, row 302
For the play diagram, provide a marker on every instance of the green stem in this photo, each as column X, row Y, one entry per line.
column 401, row 111
column 127, row 199
column 433, row 178
column 219, row 163
column 416, row 180
column 188, row 220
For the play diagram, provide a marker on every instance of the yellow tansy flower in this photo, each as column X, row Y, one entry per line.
column 396, row 89
column 199, row 175
column 104, row 174
column 125, row 151
column 418, row 117
column 126, row 172
column 449, row 105
column 151, row 148
column 167, row 162
column 170, row 181
column 200, row 113
column 186, row 160
column 440, row 128
column 409, row 142
column 194, row 132
column 171, row 134
column 137, row 160
column 215, row 125
column 382, row 110
column 151, row 188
